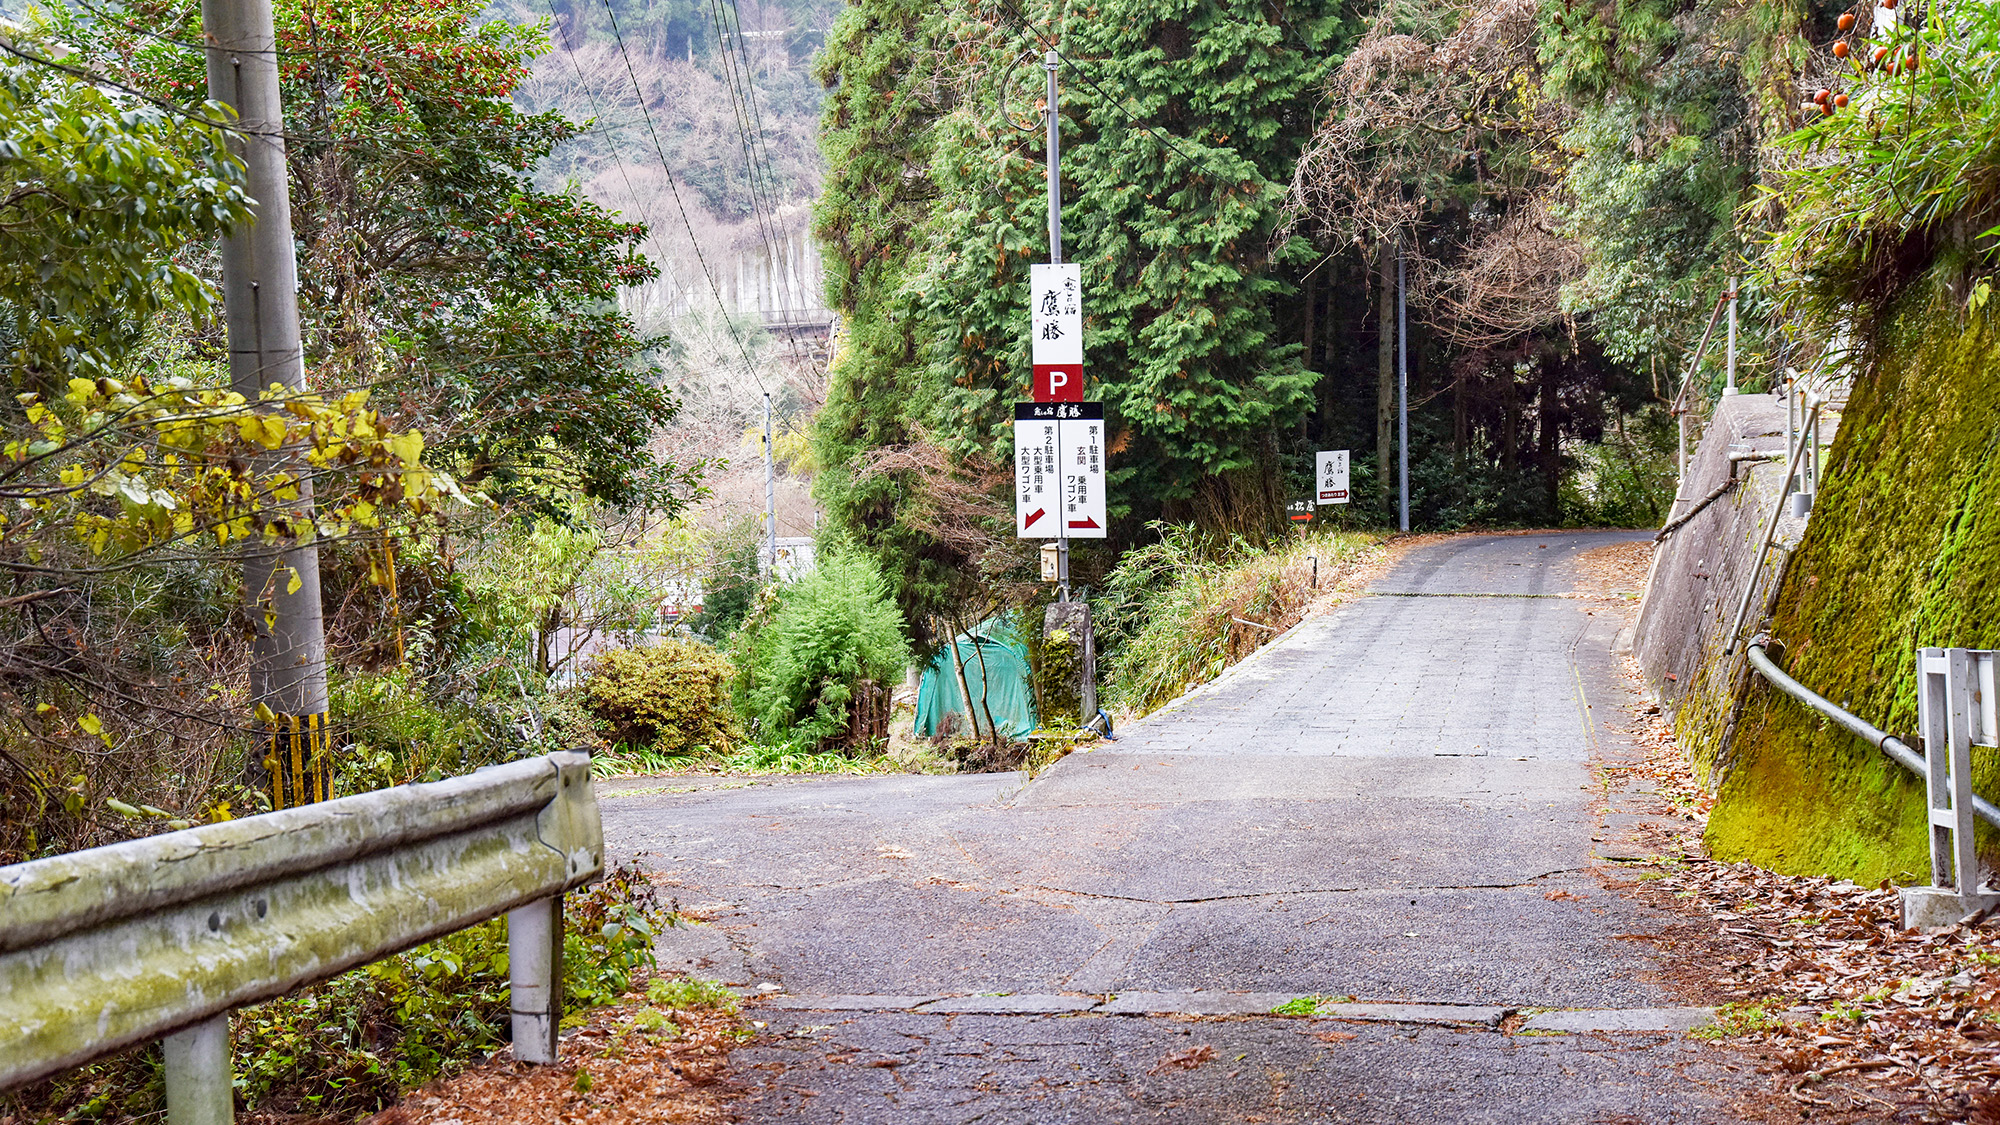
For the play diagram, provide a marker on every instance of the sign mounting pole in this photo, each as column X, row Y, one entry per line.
column 1055, row 259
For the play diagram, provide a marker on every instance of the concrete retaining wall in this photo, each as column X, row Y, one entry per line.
column 1700, row 570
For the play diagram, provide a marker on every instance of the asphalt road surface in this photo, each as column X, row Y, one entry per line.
column 1394, row 804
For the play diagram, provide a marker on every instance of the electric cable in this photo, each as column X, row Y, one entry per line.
column 660, row 150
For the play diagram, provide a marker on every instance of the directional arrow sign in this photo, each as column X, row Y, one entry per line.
column 1082, row 444
column 1036, row 440
column 1059, row 470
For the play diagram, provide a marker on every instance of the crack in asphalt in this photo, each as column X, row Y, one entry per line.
column 1310, row 890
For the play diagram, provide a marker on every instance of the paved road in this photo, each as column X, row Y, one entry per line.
column 1393, row 803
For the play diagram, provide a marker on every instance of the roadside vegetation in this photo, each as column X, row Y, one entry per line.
column 525, row 391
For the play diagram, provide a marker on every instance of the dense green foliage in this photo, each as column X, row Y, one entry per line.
column 1903, row 183
column 97, row 200
column 429, row 260
column 808, row 648
column 672, row 696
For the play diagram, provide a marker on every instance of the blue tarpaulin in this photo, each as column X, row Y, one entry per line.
column 999, row 685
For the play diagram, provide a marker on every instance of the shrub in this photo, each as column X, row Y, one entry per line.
column 671, row 696
column 825, row 633
column 393, row 731
column 1176, row 606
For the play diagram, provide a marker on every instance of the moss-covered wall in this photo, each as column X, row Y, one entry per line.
column 1903, row 551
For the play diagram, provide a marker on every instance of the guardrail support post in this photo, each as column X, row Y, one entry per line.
column 200, row 1090
column 1950, row 717
column 534, row 972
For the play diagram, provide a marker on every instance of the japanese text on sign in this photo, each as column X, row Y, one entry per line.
column 1330, row 478
column 1059, row 470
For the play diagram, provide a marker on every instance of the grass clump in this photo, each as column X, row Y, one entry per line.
column 687, row 994
column 1175, row 608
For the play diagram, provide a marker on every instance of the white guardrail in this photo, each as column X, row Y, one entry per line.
column 161, row 937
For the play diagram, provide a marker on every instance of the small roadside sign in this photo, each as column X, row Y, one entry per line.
column 1056, row 320
column 1059, row 470
column 1330, row 478
column 1301, row 511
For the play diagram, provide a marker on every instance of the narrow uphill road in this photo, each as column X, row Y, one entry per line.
column 1396, row 803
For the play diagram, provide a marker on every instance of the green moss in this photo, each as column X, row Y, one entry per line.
column 1898, row 555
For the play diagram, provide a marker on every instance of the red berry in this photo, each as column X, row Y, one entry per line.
column 1840, row 49
column 1823, row 96
column 1847, row 22
column 1840, row 101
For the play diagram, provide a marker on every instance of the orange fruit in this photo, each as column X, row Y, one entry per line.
column 1840, row 101
column 1840, row 49
column 1847, row 22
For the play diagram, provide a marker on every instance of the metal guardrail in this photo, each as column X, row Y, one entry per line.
column 118, row 945
column 1898, row 750
column 1956, row 708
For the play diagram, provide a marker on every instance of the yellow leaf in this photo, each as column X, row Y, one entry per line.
column 296, row 584
column 90, row 724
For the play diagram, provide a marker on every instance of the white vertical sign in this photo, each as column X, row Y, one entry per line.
column 1037, row 441
column 1057, row 315
column 1083, row 470
column 1330, row 478
column 1059, row 470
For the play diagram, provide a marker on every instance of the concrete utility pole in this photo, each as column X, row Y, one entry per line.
column 1075, row 617
column 1402, row 396
column 1385, row 372
column 770, row 497
column 260, row 303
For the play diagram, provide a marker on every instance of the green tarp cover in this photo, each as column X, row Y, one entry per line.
column 1002, row 688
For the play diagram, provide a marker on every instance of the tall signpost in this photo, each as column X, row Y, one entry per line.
column 1059, row 442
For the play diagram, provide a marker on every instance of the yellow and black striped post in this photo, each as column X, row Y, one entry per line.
column 297, row 759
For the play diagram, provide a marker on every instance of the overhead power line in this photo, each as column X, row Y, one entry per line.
column 660, row 150
column 1083, row 76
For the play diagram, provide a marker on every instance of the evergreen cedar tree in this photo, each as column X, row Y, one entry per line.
column 1174, row 176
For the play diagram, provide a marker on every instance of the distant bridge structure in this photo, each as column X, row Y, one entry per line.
column 780, row 284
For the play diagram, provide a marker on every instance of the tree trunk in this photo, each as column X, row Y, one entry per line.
column 1385, row 373
column 1551, row 450
column 964, row 688
column 1458, row 435
column 985, row 700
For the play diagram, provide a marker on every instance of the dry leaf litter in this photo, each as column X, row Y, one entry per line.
column 1853, row 1017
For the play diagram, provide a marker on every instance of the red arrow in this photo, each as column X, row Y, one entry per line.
column 1030, row 521
column 1084, row 522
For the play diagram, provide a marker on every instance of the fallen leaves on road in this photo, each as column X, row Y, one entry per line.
column 1919, row 1013
column 1617, row 571
column 1817, row 977
column 1188, row 1059
column 1336, row 1036
column 629, row 1064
